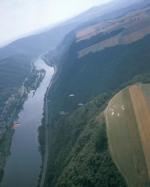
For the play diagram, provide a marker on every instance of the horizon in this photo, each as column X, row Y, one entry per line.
column 44, row 15
column 74, row 93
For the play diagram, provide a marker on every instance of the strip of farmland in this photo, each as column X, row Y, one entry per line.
column 142, row 114
column 127, row 119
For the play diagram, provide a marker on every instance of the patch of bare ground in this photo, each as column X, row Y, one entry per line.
column 142, row 113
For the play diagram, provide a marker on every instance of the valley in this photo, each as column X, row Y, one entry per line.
column 77, row 97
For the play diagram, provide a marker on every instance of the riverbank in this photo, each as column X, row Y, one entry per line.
column 5, row 142
column 43, row 134
column 25, row 144
column 15, row 104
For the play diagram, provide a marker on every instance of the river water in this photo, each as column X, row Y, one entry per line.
column 23, row 165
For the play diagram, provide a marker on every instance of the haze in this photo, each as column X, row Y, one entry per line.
column 20, row 17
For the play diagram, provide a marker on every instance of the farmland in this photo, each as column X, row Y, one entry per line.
column 123, row 30
column 127, row 118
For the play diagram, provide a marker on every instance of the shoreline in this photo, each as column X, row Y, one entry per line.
column 46, row 133
column 6, row 141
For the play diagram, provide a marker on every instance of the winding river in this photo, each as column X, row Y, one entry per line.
column 23, row 165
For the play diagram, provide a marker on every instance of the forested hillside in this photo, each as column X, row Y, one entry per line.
column 78, row 150
column 80, row 155
column 97, row 73
column 13, row 70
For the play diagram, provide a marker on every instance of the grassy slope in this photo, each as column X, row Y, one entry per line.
column 124, row 139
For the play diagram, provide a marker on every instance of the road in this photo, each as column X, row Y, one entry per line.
column 45, row 160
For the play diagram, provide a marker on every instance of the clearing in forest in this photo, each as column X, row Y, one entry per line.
column 128, row 130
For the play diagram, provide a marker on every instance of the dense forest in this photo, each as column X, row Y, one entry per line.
column 80, row 155
column 13, row 70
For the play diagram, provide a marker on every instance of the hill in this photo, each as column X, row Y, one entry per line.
column 94, row 57
column 14, row 71
column 73, row 125
column 48, row 39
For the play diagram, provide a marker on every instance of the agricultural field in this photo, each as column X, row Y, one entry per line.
column 123, row 30
column 128, row 128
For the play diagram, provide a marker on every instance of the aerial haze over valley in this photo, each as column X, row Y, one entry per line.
column 75, row 93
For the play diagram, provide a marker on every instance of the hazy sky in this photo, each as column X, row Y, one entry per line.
column 19, row 17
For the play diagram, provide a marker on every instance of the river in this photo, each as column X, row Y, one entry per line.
column 23, row 165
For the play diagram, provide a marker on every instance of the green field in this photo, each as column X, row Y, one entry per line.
column 125, row 136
